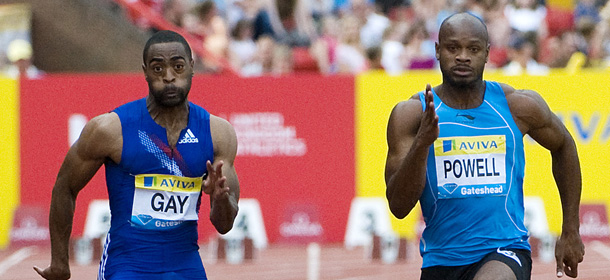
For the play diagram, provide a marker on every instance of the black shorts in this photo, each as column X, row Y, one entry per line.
column 522, row 268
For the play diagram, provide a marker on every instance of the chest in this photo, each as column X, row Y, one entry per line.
column 150, row 151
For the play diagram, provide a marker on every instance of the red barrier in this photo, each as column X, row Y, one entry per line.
column 296, row 138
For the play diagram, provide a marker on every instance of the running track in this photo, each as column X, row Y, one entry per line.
column 289, row 262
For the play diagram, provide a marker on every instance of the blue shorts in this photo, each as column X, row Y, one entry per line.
column 178, row 275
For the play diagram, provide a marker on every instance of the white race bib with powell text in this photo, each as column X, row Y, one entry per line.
column 471, row 166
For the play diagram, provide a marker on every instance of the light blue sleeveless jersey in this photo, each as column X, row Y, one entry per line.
column 472, row 203
column 155, row 194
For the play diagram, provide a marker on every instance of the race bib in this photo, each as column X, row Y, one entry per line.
column 470, row 166
column 164, row 201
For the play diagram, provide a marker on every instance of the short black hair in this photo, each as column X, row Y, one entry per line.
column 166, row 36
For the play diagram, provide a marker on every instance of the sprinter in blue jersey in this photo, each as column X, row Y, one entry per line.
column 161, row 154
column 457, row 148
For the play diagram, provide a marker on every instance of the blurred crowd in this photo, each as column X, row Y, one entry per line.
column 275, row 37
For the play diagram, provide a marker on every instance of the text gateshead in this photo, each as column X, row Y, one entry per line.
column 467, row 191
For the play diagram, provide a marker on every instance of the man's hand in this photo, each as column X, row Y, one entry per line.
column 54, row 273
column 214, row 184
column 428, row 128
column 569, row 251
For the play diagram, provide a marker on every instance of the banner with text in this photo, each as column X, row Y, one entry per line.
column 580, row 101
column 295, row 136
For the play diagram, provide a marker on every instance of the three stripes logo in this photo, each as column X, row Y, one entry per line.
column 189, row 137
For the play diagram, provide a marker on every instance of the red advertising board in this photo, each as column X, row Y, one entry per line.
column 30, row 227
column 295, row 135
column 594, row 222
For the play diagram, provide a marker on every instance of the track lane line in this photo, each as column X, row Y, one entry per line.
column 16, row 257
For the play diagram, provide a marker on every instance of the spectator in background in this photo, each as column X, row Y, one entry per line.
column 419, row 51
column 320, row 9
column 374, row 23
column 586, row 9
column 374, row 58
column 568, row 47
column 388, row 6
column 600, row 42
column 324, row 49
column 289, row 22
column 262, row 64
column 430, row 12
column 19, row 54
column 585, row 30
column 474, row 7
column 499, row 32
column 447, row 8
column 240, row 9
column 142, row 22
column 521, row 56
column 351, row 57
column 527, row 16
column 174, row 11
column 214, row 31
column 342, row 7
column 242, row 49
column 393, row 47
column 282, row 60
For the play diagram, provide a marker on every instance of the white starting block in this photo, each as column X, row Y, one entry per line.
column 368, row 216
column 89, row 247
column 541, row 239
column 248, row 233
column 97, row 223
column 369, row 226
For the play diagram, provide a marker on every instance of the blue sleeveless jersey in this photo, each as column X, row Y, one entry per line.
column 155, row 194
column 472, row 203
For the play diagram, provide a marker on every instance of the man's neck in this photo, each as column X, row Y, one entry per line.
column 170, row 118
column 466, row 97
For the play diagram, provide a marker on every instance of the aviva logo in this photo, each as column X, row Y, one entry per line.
column 448, row 145
column 491, row 144
column 162, row 182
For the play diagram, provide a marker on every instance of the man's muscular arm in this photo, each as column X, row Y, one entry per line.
column 97, row 142
column 410, row 134
column 536, row 119
column 222, row 183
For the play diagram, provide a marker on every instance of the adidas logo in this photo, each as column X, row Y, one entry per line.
column 189, row 137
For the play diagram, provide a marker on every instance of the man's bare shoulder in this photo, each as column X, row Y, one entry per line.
column 220, row 125
column 405, row 117
column 223, row 136
column 527, row 107
column 106, row 125
column 408, row 108
column 522, row 99
column 410, row 104
column 101, row 137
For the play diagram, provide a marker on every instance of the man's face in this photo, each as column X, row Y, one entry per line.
column 462, row 53
column 169, row 73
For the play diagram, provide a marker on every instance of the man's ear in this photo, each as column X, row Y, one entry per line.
column 487, row 55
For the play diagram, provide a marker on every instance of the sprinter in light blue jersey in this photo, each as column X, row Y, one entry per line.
column 161, row 154
column 457, row 148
